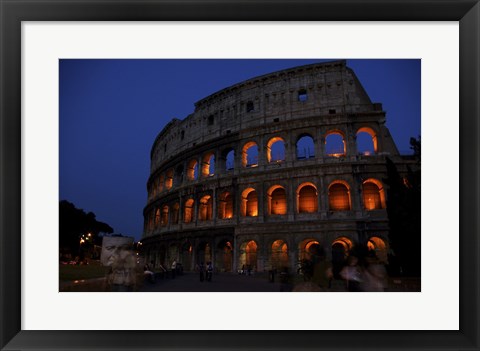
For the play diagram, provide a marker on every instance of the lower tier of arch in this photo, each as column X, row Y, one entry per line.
column 260, row 250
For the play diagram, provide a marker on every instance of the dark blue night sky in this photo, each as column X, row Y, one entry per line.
column 112, row 110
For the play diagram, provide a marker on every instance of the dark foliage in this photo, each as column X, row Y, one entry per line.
column 74, row 223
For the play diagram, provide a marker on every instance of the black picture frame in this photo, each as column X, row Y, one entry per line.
column 13, row 12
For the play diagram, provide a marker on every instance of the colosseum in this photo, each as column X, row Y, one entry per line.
column 266, row 170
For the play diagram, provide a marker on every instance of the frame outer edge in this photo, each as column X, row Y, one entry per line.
column 469, row 174
column 10, row 181
column 10, row 173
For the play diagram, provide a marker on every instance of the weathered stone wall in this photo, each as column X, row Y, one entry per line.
column 315, row 100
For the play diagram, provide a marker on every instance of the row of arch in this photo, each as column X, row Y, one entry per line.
column 339, row 199
column 335, row 146
column 276, row 255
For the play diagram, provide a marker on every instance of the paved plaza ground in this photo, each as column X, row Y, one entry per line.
column 221, row 282
column 230, row 282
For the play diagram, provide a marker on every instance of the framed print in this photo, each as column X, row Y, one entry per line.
column 40, row 43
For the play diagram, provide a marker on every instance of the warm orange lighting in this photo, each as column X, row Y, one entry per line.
column 339, row 197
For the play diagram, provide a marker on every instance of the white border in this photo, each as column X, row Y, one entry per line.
column 435, row 308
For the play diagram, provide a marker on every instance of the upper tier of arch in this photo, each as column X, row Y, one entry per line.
column 325, row 91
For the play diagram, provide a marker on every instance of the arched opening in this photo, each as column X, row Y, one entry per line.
column 178, row 175
column 208, row 165
column 162, row 256
column 204, row 253
column 225, row 256
column 175, row 213
column 164, row 219
column 340, row 250
column 380, row 248
column 307, row 198
column 225, row 206
column 279, row 256
column 192, row 170
column 276, row 150
column 367, row 141
column 161, row 182
column 155, row 187
column 157, row 217
column 169, row 179
column 230, row 160
column 172, row 254
column 249, row 203
column 188, row 211
column 250, row 154
column 307, row 248
column 335, row 145
column 277, row 200
column 248, row 255
column 373, row 195
column 305, row 147
column 339, row 196
column 302, row 95
column 205, row 210
column 186, row 254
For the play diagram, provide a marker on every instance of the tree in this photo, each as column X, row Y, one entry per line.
column 75, row 223
column 404, row 214
column 415, row 145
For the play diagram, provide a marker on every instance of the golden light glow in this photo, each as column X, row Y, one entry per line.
column 339, row 196
column 307, row 198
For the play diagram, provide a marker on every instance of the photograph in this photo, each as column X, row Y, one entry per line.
column 211, row 175
column 240, row 175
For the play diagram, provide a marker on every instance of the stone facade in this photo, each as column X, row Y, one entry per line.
column 249, row 179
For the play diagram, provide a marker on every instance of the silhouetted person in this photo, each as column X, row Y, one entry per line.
column 209, row 271
column 201, row 269
column 352, row 273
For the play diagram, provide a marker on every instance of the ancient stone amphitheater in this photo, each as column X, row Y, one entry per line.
column 266, row 170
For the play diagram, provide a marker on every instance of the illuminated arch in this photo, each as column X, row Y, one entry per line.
column 224, row 257
column 279, row 254
column 188, row 211
column 307, row 248
column 373, row 194
column 175, row 213
column 164, row 218
column 248, row 254
column 335, row 145
column 277, row 200
column 307, row 198
column 341, row 248
column 380, row 248
column 250, row 154
column 276, row 150
column 192, row 170
column 339, row 196
column 225, row 206
column 208, row 164
column 367, row 142
column 157, row 217
column 205, row 208
column 249, row 204
column 169, row 179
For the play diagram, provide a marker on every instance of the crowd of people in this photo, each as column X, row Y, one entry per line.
column 362, row 271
